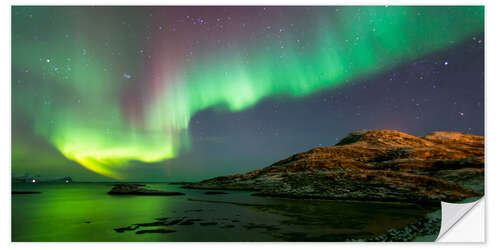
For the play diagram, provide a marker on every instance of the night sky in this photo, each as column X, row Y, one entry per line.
column 186, row 93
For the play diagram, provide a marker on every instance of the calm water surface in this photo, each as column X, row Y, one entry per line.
column 85, row 212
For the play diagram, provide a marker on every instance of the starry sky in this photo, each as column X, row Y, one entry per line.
column 186, row 93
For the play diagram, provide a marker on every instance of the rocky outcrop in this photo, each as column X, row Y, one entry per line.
column 214, row 193
column 25, row 192
column 156, row 231
column 137, row 189
column 382, row 165
column 180, row 183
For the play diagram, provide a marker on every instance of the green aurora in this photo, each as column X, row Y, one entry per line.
column 74, row 103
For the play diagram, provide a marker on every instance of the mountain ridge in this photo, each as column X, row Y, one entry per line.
column 381, row 165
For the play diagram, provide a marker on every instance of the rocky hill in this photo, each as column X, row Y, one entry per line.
column 383, row 165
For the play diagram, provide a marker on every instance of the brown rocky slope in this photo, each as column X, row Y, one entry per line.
column 382, row 165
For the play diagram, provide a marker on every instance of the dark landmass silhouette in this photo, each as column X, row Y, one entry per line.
column 138, row 189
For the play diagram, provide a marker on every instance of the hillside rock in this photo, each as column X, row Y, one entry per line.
column 382, row 165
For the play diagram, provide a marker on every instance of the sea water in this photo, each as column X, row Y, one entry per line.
column 85, row 212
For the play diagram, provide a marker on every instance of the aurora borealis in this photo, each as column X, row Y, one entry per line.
column 117, row 88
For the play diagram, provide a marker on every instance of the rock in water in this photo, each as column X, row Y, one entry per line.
column 129, row 228
column 136, row 189
column 214, row 193
column 158, row 231
column 25, row 192
column 180, row 183
column 208, row 223
column 383, row 165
